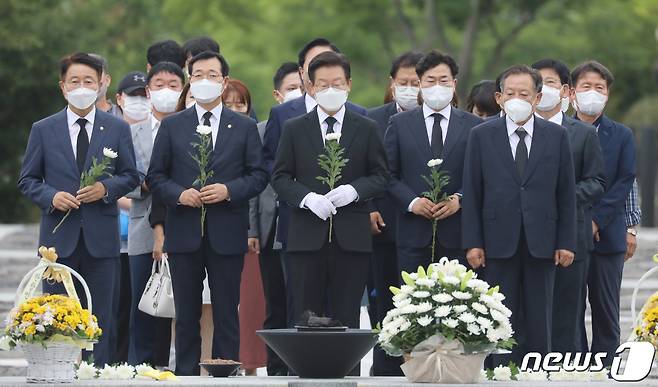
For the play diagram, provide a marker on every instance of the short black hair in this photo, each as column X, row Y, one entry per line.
column 166, row 67
column 80, row 58
column 592, row 66
column 208, row 55
column 317, row 42
column 408, row 59
column 560, row 68
column 433, row 59
column 283, row 70
column 328, row 59
column 520, row 69
column 198, row 45
column 483, row 95
column 104, row 64
column 165, row 51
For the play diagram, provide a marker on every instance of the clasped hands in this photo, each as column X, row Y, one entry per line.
column 210, row 194
column 430, row 210
column 323, row 206
column 64, row 201
column 476, row 257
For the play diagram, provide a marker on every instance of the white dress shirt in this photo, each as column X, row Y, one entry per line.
column 74, row 128
column 309, row 102
column 338, row 125
column 155, row 126
column 429, row 121
column 214, row 119
column 556, row 119
column 529, row 127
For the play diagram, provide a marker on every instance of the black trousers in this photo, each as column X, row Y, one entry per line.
column 121, row 311
column 409, row 258
column 569, row 306
column 188, row 271
column 274, row 287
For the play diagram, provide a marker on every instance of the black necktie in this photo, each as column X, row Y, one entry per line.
column 330, row 124
column 82, row 145
column 521, row 156
column 437, row 136
column 206, row 121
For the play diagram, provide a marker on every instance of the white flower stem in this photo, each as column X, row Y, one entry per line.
column 203, row 218
column 62, row 221
column 433, row 239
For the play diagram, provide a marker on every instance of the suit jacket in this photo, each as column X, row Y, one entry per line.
column 49, row 166
column 408, row 150
column 498, row 203
column 385, row 204
column 262, row 209
column 278, row 117
column 236, row 161
column 590, row 179
column 295, row 175
column 140, row 233
column 618, row 149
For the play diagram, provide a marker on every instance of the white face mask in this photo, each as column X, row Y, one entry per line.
column 165, row 100
column 206, row 91
column 518, row 110
column 331, row 100
column 292, row 94
column 590, row 102
column 406, row 96
column 82, row 97
column 136, row 108
column 437, row 97
column 565, row 105
column 550, row 97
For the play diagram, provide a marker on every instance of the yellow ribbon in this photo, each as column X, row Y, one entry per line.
column 47, row 271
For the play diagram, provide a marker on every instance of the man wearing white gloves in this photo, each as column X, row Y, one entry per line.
column 329, row 238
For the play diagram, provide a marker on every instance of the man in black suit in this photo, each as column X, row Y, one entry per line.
column 238, row 175
column 519, row 206
column 328, row 278
column 571, row 282
column 405, row 87
column 436, row 130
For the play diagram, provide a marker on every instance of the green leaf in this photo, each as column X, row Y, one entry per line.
column 407, row 279
column 394, row 290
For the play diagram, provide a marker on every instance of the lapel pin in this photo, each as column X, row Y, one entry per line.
column 102, row 127
column 229, row 126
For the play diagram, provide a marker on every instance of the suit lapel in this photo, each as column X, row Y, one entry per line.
column 455, row 132
column 419, row 132
column 314, row 132
column 603, row 133
column 501, row 142
column 225, row 130
column 537, row 149
column 348, row 131
column 97, row 136
column 64, row 137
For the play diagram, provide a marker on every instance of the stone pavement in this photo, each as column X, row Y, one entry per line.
column 18, row 244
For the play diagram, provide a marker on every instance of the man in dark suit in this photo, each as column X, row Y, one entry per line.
column 278, row 117
column 571, row 282
column 519, row 207
column 591, row 88
column 328, row 278
column 405, row 87
column 238, row 175
column 59, row 149
column 434, row 131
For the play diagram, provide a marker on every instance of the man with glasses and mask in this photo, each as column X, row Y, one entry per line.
column 60, row 148
column 437, row 130
column 238, row 175
column 519, row 208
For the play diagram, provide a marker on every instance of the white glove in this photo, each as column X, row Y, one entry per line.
column 342, row 195
column 319, row 205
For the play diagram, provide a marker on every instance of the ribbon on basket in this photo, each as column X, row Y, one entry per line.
column 46, row 270
column 439, row 360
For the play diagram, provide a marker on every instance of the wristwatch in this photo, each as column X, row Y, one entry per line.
column 632, row 231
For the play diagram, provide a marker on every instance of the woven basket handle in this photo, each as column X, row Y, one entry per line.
column 43, row 264
column 636, row 290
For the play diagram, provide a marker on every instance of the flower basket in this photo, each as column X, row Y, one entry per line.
column 645, row 323
column 51, row 329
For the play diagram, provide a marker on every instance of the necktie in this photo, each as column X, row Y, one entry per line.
column 206, row 121
column 330, row 124
column 82, row 145
column 437, row 136
column 521, row 156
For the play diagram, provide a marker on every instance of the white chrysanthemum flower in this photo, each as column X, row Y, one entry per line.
column 203, row 130
column 143, row 368
column 442, row 311
column 502, row 373
column 485, row 323
column 421, row 294
column 473, row 329
column 108, row 372
column 483, row 376
column 498, row 296
column 478, row 285
column 423, row 307
column 407, row 309
column 425, row 282
column 125, row 371
column 504, row 332
column 451, row 280
column 531, row 375
column 462, row 295
column 425, row 321
column 497, row 315
column 86, row 371
column 450, row 322
column 493, row 335
column 48, row 318
column 400, row 296
column 442, row 298
column 486, row 299
column 402, row 303
column 407, row 289
column 333, row 137
column 467, row 317
column 480, row 308
column 405, row 325
column 434, row 163
column 109, row 153
column 460, row 308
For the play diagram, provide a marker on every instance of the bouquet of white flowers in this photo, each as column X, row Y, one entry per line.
column 445, row 310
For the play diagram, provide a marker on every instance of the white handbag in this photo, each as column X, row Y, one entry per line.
column 158, row 297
